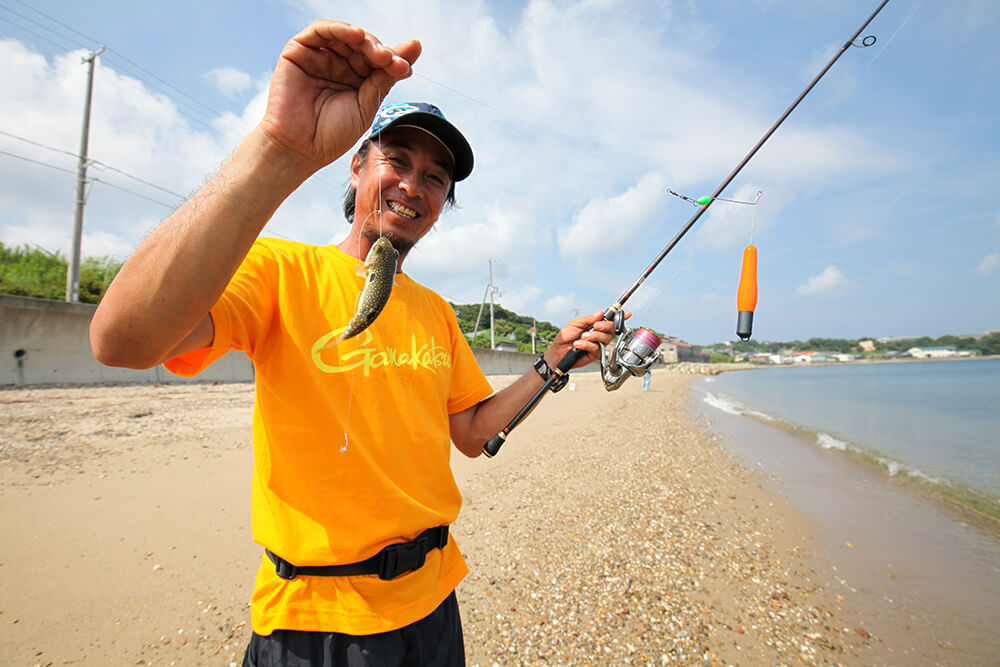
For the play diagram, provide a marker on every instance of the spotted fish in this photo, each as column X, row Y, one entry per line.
column 379, row 272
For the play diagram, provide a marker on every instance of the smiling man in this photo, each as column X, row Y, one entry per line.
column 352, row 491
column 403, row 176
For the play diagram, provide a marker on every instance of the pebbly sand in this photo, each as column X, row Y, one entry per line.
column 610, row 529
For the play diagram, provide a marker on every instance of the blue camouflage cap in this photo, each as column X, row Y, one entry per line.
column 429, row 118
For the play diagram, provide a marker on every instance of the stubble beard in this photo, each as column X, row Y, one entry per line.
column 371, row 232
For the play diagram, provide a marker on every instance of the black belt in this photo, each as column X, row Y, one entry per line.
column 389, row 563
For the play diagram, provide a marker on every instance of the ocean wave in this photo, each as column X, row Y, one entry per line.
column 827, row 441
column 892, row 467
column 895, row 468
column 722, row 403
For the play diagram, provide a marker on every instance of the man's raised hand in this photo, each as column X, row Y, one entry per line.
column 327, row 86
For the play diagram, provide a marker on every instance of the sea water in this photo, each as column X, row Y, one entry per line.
column 850, row 446
column 935, row 421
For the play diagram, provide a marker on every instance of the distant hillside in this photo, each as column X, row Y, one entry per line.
column 507, row 325
column 988, row 343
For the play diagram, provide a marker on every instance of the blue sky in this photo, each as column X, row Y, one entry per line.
column 880, row 205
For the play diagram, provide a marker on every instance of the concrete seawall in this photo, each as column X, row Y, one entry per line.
column 45, row 342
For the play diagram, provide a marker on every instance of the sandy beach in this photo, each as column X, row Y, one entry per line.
column 610, row 529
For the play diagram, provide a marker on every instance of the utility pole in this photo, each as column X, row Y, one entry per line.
column 491, row 289
column 493, row 338
column 73, row 270
column 475, row 330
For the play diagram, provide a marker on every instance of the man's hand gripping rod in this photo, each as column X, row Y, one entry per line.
column 569, row 360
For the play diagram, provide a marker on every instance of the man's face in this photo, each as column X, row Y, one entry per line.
column 406, row 175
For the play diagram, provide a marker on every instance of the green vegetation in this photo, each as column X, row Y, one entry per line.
column 989, row 344
column 505, row 325
column 34, row 272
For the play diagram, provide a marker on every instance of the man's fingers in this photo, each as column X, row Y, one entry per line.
column 350, row 42
column 409, row 50
column 325, row 33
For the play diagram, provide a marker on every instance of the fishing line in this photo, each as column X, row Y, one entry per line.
column 893, row 36
column 347, row 416
column 379, row 140
column 562, row 139
column 753, row 221
column 377, row 211
column 641, row 343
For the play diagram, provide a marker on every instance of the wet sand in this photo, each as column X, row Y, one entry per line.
column 610, row 529
column 926, row 571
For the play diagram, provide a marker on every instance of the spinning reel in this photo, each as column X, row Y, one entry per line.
column 633, row 354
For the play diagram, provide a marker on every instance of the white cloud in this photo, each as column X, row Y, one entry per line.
column 137, row 132
column 229, row 80
column 989, row 264
column 610, row 225
column 727, row 225
column 562, row 307
column 573, row 149
column 829, row 280
column 456, row 246
column 525, row 299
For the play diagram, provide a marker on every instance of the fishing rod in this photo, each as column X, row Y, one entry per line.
column 636, row 352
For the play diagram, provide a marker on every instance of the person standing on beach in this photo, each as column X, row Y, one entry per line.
column 352, row 490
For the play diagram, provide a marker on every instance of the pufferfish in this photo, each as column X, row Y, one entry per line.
column 379, row 272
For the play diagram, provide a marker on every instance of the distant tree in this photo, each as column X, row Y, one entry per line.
column 506, row 323
column 719, row 358
column 989, row 344
column 32, row 272
column 96, row 274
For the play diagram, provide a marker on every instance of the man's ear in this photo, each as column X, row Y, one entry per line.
column 355, row 171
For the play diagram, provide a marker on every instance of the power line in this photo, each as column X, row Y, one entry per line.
column 187, row 105
column 44, row 164
column 95, row 163
column 133, row 193
column 32, row 32
column 75, row 156
column 116, row 54
column 90, row 180
column 101, row 165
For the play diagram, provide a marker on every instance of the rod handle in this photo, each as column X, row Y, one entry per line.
column 569, row 359
column 493, row 445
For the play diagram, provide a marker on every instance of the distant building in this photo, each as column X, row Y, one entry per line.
column 867, row 345
column 932, row 352
column 668, row 352
column 673, row 349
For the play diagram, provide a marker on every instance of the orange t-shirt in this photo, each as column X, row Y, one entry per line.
column 351, row 442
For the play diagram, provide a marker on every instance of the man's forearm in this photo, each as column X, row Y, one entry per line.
column 481, row 422
column 179, row 271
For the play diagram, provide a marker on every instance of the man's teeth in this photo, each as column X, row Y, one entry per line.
column 401, row 210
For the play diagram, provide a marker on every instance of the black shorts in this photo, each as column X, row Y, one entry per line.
column 434, row 640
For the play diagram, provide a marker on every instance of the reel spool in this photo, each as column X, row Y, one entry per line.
column 634, row 353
